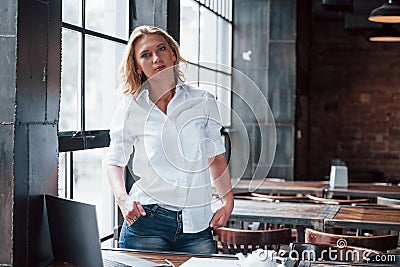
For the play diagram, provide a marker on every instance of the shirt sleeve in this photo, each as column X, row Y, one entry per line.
column 121, row 138
column 213, row 128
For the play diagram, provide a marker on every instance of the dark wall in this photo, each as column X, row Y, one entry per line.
column 36, row 144
column 304, row 19
column 350, row 109
column 30, row 90
column 8, row 42
column 265, row 31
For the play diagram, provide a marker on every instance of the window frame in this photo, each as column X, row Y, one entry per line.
column 82, row 139
column 222, row 9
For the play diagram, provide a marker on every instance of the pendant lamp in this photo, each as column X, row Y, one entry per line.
column 387, row 13
column 386, row 34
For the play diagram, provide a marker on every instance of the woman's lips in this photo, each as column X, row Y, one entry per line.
column 159, row 68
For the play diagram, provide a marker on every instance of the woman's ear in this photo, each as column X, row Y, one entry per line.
column 139, row 70
column 174, row 57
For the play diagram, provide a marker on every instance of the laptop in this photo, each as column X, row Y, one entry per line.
column 75, row 236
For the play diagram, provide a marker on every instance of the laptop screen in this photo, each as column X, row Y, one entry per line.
column 74, row 232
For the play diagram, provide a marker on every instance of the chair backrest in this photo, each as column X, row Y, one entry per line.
column 271, row 198
column 380, row 243
column 336, row 201
column 236, row 240
column 387, row 201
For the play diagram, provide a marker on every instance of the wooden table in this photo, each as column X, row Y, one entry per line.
column 315, row 188
column 365, row 190
column 299, row 214
column 365, row 218
column 176, row 258
column 158, row 257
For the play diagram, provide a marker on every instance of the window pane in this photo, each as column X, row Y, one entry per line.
column 63, row 174
column 208, row 80
column 208, row 36
column 229, row 9
column 72, row 12
column 189, row 41
column 108, row 17
column 191, row 73
column 224, row 97
column 224, row 43
column 214, row 6
column 91, row 186
column 70, row 118
column 102, row 60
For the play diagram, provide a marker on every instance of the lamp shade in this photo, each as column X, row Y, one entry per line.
column 387, row 13
column 386, row 34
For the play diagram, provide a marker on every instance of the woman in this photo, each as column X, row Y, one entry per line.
column 174, row 130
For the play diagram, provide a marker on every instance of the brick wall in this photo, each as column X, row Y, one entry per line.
column 353, row 104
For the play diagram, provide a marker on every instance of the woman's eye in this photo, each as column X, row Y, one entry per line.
column 145, row 55
column 162, row 48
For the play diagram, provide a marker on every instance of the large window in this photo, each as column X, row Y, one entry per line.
column 94, row 36
column 206, row 42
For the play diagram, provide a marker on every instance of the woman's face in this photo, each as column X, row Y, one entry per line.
column 153, row 54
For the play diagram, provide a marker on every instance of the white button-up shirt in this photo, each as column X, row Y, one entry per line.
column 171, row 151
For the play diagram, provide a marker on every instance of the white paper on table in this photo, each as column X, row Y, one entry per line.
column 209, row 262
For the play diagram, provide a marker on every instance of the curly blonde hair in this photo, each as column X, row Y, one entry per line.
column 130, row 79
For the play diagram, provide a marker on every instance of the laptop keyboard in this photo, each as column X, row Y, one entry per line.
column 111, row 263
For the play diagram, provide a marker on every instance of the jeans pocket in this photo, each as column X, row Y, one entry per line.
column 136, row 222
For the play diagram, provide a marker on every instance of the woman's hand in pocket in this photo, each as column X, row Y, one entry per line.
column 131, row 209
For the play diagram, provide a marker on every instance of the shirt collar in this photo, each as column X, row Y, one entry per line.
column 145, row 91
column 180, row 86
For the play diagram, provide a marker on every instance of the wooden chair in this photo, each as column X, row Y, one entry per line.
column 379, row 243
column 332, row 201
column 232, row 241
column 271, row 198
column 387, row 201
column 250, row 197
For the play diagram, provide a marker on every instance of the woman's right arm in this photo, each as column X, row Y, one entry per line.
column 130, row 209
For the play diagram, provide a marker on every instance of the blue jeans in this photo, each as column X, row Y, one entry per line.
column 161, row 230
